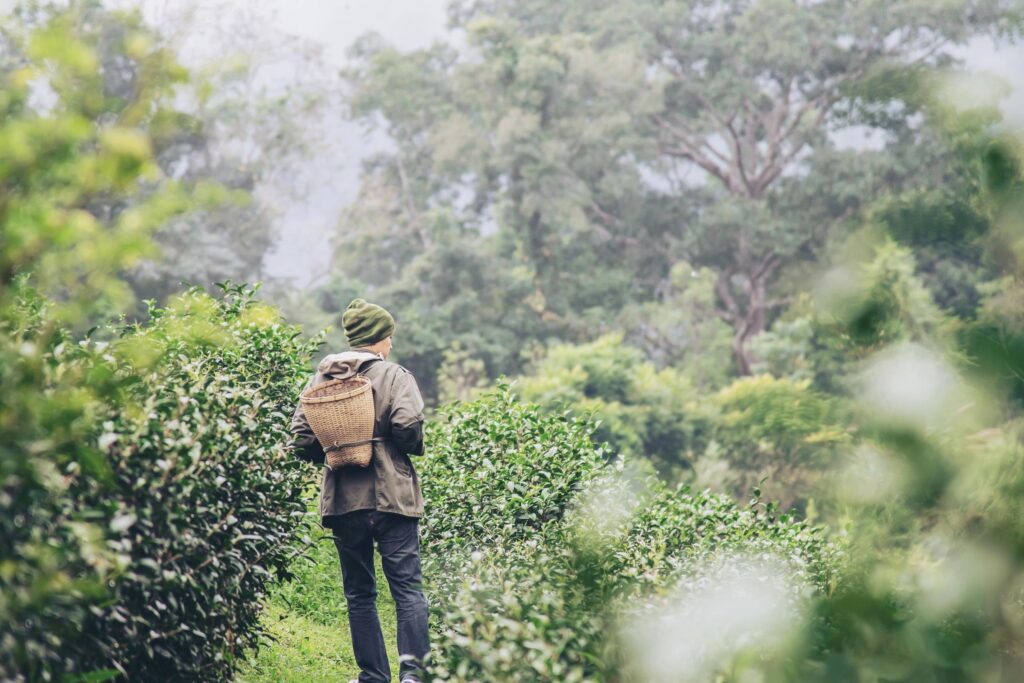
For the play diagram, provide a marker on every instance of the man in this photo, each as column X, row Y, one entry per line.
column 382, row 502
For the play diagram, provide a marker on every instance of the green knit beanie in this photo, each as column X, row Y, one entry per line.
column 366, row 324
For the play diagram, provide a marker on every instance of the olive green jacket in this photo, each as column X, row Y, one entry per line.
column 390, row 483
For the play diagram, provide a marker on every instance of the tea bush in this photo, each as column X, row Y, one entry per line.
column 498, row 473
column 517, row 621
column 188, row 507
column 537, row 543
column 672, row 530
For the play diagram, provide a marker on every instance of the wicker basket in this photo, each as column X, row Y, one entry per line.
column 341, row 414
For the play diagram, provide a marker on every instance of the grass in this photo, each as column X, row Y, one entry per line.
column 308, row 622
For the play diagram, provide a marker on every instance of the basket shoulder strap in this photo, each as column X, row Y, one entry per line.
column 362, row 373
column 368, row 364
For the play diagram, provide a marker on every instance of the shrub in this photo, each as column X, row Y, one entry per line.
column 517, row 622
column 674, row 529
column 777, row 433
column 643, row 411
column 188, row 505
column 536, row 546
column 498, row 473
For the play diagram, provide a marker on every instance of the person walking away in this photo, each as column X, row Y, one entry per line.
column 381, row 503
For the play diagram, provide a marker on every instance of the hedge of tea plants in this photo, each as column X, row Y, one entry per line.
column 150, row 545
column 539, row 544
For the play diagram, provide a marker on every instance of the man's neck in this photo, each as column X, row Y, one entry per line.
column 366, row 349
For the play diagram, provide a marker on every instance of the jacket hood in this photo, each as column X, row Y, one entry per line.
column 345, row 364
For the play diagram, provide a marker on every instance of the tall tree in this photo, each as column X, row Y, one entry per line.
column 583, row 123
column 476, row 163
column 248, row 123
column 753, row 90
column 753, row 93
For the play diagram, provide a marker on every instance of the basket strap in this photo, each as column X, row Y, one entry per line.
column 339, row 446
column 369, row 364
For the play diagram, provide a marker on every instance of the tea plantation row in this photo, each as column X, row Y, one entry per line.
column 159, row 504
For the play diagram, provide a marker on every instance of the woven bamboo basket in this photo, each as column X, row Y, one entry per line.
column 341, row 414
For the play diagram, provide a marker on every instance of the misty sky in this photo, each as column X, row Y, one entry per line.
column 302, row 253
column 329, row 177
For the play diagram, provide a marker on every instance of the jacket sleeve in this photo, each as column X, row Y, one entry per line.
column 305, row 443
column 407, row 414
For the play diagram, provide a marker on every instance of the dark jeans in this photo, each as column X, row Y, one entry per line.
column 398, row 541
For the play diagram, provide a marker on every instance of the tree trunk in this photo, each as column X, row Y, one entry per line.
column 741, row 355
column 745, row 307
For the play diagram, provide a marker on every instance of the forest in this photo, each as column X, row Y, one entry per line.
column 717, row 307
